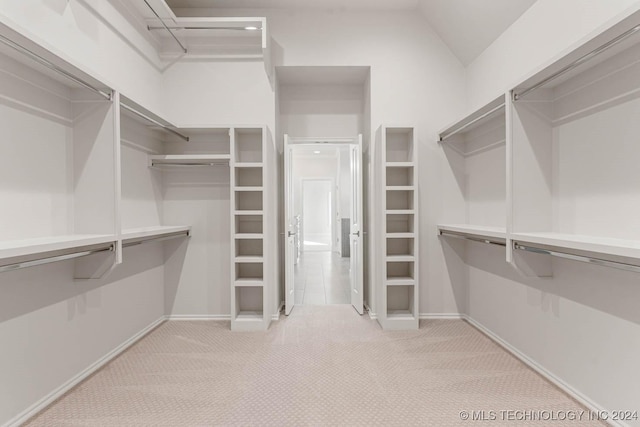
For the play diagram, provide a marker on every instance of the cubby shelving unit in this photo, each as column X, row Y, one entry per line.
column 475, row 181
column 249, row 296
column 398, row 204
column 58, row 165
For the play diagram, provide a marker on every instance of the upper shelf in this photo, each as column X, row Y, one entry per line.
column 578, row 59
column 20, row 253
column 189, row 159
column 479, row 232
column 144, row 234
column 493, row 110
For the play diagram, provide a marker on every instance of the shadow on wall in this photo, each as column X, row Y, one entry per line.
column 28, row 290
column 608, row 290
column 175, row 252
column 458, row 271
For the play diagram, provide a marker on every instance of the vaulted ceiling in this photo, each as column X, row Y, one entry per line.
column 468, row 27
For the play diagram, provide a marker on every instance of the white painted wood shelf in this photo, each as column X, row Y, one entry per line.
column 188, row 159
column 605, row 246
column 37, row 247
column 477, row 231
column 153, row 233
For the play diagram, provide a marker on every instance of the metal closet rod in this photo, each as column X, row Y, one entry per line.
column 204, row 163
column 184, row 49
column 579, row 61
column 473, row 239
column 587, row 259
column 157, row 239
column 50, row 65
column 191, row 27
column 155, row 122
column 459, row 129
column 48, row 260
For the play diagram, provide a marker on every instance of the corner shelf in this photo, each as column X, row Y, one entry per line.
column 189, row 159
column 156, row 233
column 474, row 231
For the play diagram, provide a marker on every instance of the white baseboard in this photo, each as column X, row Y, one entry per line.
column 198, row 317
column 440, row 316
column 575, row 394
column 51, row 397
column 372, row 315
column 276, row 315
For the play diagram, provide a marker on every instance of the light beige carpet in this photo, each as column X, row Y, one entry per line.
column 322, row 366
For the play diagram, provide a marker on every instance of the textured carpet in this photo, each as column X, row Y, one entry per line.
column 323, row 365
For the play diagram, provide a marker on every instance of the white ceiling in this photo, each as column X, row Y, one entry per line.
column 468, row 27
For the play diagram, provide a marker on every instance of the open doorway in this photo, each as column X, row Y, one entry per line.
column 323, row 191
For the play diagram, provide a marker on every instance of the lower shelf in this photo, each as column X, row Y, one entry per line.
column 249, row 316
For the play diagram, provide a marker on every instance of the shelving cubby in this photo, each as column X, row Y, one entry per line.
column 249, row 296
column 576, row 151
column 474, row 184
column 57, row 158
column 398, row 251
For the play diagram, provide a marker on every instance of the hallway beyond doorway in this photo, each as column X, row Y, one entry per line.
column 322, row 278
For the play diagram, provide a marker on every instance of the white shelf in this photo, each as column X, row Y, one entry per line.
column 400, row 258
column 401, row 281
column 400, row 235
column 249, row 316
column 577, row 242
column 401, row 211
column 400, row 315
column 248, row 282
column 247, row 212
column 188, row 159
column 42, row 245
column 479, row 231
column 247, row 188
column 400, row 188
column 248, row 164
column 249, row 259
column 399, row 164
column 249, row 235
column 153, row 232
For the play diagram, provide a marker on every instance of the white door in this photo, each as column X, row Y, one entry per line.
column 357, row 246
column 289, row 231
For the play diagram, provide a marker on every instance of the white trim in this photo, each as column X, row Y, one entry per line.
column 34, row 409
column 218, row 317
column 549, row 376
column 372, row 315
column 276, row 315
column 441, row 316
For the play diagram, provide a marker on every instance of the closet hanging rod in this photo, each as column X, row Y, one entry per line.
column 449, row 134
column 184, row 49
column 157, row 239
column 48, row 260
column 204, row 163
column 473, row 239
column 191, row 27
column 155, row 122
column 48, row 64
column 581, row 258
column 597, row 51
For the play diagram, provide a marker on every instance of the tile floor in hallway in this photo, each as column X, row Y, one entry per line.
column 322, row 278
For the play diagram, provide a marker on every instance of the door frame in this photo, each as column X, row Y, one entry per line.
column 290, row 142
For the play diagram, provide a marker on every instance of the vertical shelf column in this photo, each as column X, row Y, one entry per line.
column 398, row 298
column 249, row 302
